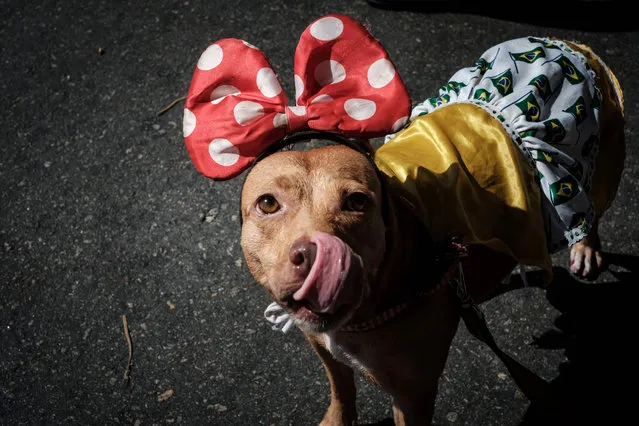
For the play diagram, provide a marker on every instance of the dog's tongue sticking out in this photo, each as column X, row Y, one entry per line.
column 335, row 277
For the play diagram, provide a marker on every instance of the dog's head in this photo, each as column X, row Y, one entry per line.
column 313, row 231
column 312, row 221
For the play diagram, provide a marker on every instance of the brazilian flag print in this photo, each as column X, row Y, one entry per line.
column 444, row 99
column 483, row 65
column 578, row 219
column 544, row 157
column 435, row 102
column 578, row 110
column 454, row 86
column 564, row 190
column 528, row 133
column 555, row 131
column 503, row 82
column 542, row 84
column 482, row 95
column 530, row 107
column 546, row 44
column 571, row 72
column 530, row 56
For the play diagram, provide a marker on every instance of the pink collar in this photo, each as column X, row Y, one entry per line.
column 390, row 313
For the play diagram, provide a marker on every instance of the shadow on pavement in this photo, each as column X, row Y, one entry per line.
column 604, row 16
column 596, row 329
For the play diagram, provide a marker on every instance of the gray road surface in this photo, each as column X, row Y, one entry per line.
column 103, row 215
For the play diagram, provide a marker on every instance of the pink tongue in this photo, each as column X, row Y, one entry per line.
column 324, row 287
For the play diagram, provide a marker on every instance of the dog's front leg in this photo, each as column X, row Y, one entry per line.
column 342, row 410
column 415, row 409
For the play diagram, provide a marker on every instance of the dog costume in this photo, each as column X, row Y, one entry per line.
column 524, row 118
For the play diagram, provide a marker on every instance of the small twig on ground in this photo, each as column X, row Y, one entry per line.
column 127, row 336
column 171, row 105
column 165, row 395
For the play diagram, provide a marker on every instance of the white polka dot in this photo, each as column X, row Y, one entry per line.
column 221, row 92
column 298, row 110
column 267, row 83
column 188, row 122
column 329, row 72
column 223, row 152
column 399, row 124
column 299, row 87
column 326, row 29
column 360, row 109
column 246, row 112
column 321, row 99
column 211, row 58
column 380, row 73
column 249, row 45
column 280, row 120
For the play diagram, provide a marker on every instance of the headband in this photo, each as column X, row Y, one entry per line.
column 236, row 109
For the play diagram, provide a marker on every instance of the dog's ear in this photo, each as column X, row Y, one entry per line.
column 368, row 147
column 385, row 195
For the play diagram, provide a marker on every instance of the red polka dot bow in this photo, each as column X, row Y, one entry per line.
column 344, row 83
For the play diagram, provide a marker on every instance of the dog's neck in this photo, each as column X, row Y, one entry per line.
column 407, row 255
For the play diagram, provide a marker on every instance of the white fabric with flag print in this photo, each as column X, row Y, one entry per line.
column 545, row 96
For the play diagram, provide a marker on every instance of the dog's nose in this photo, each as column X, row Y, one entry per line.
column 302, row 256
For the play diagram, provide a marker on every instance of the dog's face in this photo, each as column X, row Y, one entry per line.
column 313, row 234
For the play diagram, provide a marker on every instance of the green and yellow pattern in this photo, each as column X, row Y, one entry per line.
column 555, row 131
column 564, row 190
column 503, row 82
column 542, row 84
column 530, row 107
column 571, row 72
column 529, row 56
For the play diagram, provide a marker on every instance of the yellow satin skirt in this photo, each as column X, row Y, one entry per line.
column 462, row 175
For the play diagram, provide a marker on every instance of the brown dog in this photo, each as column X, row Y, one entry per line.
column 335, row 243
column 377, row 255
column 293, row 207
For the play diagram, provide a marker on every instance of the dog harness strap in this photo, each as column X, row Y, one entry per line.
column 534, row 387
column 236, row 108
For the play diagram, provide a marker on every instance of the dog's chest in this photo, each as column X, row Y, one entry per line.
column 343, row 352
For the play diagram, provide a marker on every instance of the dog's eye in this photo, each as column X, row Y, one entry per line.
column 267, row 204
column 356, row 202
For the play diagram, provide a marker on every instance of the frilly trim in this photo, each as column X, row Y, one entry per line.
column 579, row 232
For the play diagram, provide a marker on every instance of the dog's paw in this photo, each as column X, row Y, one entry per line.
column 585, row 259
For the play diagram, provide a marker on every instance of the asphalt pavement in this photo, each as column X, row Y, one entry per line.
column 104, row 218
